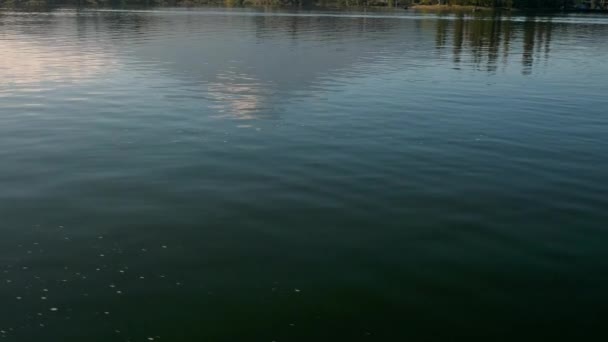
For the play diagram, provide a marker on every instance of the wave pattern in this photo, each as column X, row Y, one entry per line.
column 182, row 175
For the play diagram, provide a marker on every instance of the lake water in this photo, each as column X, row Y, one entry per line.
column 276, row 175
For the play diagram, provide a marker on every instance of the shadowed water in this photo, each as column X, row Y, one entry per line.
column 274, row 175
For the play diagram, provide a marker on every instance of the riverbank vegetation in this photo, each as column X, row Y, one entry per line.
column 523, row 4
column 422, row 4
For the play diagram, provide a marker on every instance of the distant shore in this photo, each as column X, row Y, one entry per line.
column 320, row 4
column 452, row 8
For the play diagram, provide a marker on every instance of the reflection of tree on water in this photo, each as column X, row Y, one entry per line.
column 535, row 34
column 528, row 47
column 458, row 38
column 485, row 40
column 442, row 33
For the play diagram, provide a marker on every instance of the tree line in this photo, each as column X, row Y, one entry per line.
column 556, row 4
column 502, row 3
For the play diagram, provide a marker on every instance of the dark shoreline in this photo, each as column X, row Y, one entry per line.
column 318, row 6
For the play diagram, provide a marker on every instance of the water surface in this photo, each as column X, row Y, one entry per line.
column 275, row 175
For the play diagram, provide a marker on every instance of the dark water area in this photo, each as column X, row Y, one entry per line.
column 251, row 175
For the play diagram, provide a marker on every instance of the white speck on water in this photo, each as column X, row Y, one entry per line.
column 42, row 325
column 107, row 312
column 144, row 250
column 9, row 281
column 101, row 255
column 296, row 290
column 164, row 246
column 45, row 290
column 18, row 298
column 141, row 277
column 54, row 309
column 43, row 298
column 119, row 292
column 100, row 237
column 98, row 269
column 150, row 338
column 121, row 271
column 112, row 285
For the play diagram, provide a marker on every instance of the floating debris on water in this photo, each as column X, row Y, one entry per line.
column 54, row 309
